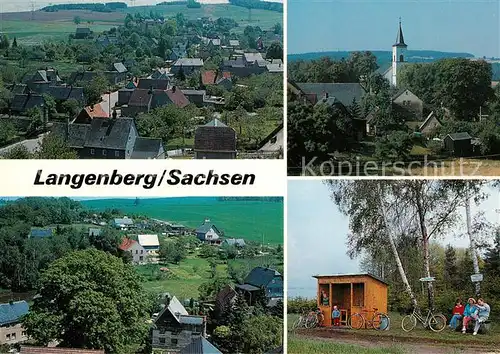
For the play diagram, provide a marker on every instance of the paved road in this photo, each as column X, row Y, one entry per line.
column 30, row 144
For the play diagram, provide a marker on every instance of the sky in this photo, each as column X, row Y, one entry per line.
column 317, row 234
column 471, row 26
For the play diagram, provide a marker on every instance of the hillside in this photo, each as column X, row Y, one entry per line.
column 248, row 220
column 384, row 58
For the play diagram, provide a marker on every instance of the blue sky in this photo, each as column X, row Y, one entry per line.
column 471, row 26
column 317, row 234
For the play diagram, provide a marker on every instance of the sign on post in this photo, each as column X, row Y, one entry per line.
column 476, row 278
column 427, row 279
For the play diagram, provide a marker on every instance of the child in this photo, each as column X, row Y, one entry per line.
column 469, row 311
column 458, row 312
column 336, row 316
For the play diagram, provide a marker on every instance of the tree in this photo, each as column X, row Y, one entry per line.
column 77, row 20
column 180, row 75
column 89, row 299
column 492, row 257
column 261, row 333
column 18, row 152
column 71, row 107
column 173, row 251
column 450, row 267
column 95, row 88
column 275, row 51
column 14, row 43
column 53, row 147
column 4, row 42
column 395, row 146
column 7, row 132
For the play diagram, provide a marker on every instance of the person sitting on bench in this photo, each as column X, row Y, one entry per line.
column 481, row 315
column 469, row 311
column 458, row 312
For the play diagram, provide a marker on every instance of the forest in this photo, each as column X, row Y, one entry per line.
column 97, row 7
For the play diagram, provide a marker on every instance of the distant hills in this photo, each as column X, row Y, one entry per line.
column 384, row 57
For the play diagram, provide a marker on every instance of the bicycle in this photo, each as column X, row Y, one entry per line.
column 300, row 322
column 436, row 322
column 308, row 320
column 380, row 321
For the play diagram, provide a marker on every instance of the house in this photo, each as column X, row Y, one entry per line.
column 83, row 33
column 43, row 76
column 106, row 138
column 143, row 101
column 37, row 232
column 87, row 114
column 11, row 315
column 262, row 279
column 351, row 293
column 273, row 143
column 187, row 65
column 154, row 84
column 209, row 233
column 236, row 242
column 58, row 350
column 125, row 93
column 138, row 253
column 200, row 346
column 345, row 93
column 408, row 104
column 147, row 149
column 64, row 93
column 430, row 124
column 458, row 144
column 150, row 243
column 94, row 231
column 175, row 329
column 217, row 77
column 21, row 103
column 234, row 43
column 276, row 68
column 124, row 223
column 215, row 140
column 246, row 65
column 195, row 96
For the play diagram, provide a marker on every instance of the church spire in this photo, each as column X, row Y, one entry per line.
column 400, row 41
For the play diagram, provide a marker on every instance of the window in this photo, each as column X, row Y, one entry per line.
column 174, row 341
column 401, row 58
column 92, row 151
column 136, row 251
column 142, row 251
column 274, row 139
column 117, row 153
column 7, row 337
column 141, row 258
column 24, row 334
column 104, row 152
column 358, row 290
column 13, row 336
column 162, row 340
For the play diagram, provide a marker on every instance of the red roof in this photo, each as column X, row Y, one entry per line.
column 177, row 97
column 210, row 77
column 126, row 244
column 55, row 350
column 96, row 112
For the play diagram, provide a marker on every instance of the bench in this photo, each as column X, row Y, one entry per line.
column 485, row 327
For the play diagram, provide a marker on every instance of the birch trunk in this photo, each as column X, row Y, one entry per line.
column 395, row 251
column 472, row 242
column 425, row 248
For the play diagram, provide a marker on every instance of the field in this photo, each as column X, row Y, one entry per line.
column 395, row 340
column 58, row 25
column 460, row 167
column 255, row 221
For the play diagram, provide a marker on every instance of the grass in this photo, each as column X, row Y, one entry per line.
column 418, row 335
column 460, row 167
column 50, row 26
column 248, row 220
column 300, row 345
column 176, row 143
column 420, row 151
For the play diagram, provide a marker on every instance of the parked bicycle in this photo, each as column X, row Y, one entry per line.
column 309, row 319
column 380, row 321
column 436, row 322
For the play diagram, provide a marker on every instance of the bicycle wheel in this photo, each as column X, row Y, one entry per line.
column 437, row 322
column 356, row 321
column 311, row 321
column 380, row 321
column 296, row 324
column 408, row 323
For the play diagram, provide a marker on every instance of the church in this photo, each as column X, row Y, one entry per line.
column 398, row 58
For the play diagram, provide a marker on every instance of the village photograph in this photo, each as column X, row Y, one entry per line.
column 393, row 266
column 155, row 80
column 144, row 275
column 410, row 89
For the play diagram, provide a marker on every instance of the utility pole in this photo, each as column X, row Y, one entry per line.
column 472, row 240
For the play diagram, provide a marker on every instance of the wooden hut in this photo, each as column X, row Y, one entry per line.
column 351, row 293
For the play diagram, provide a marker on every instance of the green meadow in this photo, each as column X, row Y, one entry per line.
column 259, row 221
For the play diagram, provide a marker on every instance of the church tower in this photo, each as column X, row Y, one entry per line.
column 398, row 54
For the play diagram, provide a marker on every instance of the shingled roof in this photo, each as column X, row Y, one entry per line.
column 155, row 84
column 200, row 346
column 215, row 136
column 109, row 133
column 261, row 277
column 343, row 92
